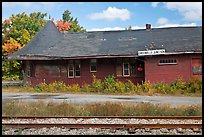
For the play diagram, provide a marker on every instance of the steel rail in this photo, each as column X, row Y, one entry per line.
column 112, row 126
column 102, row 117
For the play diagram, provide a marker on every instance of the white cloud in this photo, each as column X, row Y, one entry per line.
column 154, row 4
column 111, row 13
column 192, row 11
column 162, row 20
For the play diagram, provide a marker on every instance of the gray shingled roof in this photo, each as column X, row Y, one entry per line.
column 49, row 42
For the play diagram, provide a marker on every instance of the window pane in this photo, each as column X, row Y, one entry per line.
column 71, row 70
column 71, row 67
column 71, row 73
column 77, row 73
column 125, row 66
column 126, row 72
column 77, row 69
column 93, row 67
column 197, row 70
column 126, row 69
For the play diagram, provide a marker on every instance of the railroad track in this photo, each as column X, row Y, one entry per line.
column 98, row 125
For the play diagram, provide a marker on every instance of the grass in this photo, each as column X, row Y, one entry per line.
column 12, row 108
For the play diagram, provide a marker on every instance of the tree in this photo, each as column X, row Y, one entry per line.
column 68, row 23
column 17, row 31
column 128, row 28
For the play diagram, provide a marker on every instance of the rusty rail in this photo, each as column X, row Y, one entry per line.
column 116, row 126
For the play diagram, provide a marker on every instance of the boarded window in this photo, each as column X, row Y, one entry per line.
column 197, row 66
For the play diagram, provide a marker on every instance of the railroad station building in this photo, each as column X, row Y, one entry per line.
column 151, row 54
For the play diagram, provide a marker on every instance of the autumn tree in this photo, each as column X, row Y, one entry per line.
column 68, row 23
column 17, row 31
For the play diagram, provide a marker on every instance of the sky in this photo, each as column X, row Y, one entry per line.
column 104, row 16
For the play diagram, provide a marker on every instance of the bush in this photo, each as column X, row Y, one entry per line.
column 162, row 87
column 97, row 85
column 52, row 87
column 195, row 85
column 120, row 87
column 109, row 84
column 74, row 88
column 147, row 86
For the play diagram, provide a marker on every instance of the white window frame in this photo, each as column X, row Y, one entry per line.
column 128, row 69
column 69, row 70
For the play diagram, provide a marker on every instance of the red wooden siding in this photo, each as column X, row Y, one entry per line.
column 50, row 71
column 168, row 73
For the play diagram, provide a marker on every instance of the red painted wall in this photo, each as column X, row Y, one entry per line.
column 105, row 67
column 168, row 73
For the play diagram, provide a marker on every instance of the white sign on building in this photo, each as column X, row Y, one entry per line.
column 151, row 52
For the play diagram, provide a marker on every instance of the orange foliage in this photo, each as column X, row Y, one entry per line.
column 10, row 46
column 62, row 26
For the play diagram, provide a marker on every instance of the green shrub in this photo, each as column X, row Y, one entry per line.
column 162, row 87
column 120, row 87
column 97, row 85
column 131, row 87
column 41, row 87
column 139, row 88
column 52, row 87
column 147, row 86
column 195, row 85
column 109, row 84
column 74, row 88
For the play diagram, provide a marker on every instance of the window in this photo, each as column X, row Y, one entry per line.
column 126, row 71
column 197, row 66
column 93, row 65
column 197, row 70
column 74, row 68
column 29, row 69
column 77, row 70
column 132, row 70
column 167, row 61
column 70, row 70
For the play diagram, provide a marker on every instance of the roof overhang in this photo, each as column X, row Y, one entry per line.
column 41, row 57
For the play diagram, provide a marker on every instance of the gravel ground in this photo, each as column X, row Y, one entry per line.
column 98, row 131
column 104, row 121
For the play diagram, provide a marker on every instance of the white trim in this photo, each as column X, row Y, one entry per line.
column 128, row 69
column 69, row 71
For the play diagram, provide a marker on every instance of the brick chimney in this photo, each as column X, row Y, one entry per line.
column 148, row 27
